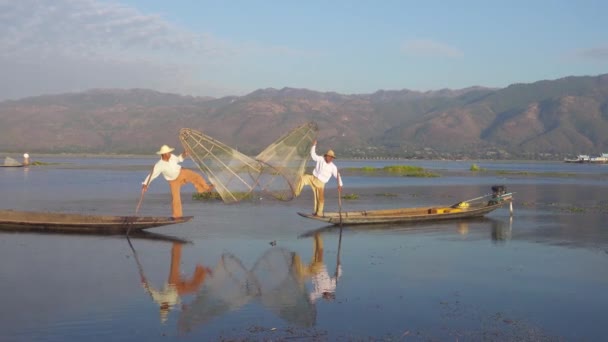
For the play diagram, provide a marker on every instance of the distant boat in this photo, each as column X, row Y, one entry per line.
column 600, row 160
column 10, row 162
column 581, row 158
column 584, row 158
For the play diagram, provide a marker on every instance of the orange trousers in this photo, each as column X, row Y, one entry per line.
column 184, row 286
column 185, row 176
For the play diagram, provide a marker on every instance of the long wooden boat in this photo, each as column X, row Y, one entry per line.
column 12, row 220
column 420, row 214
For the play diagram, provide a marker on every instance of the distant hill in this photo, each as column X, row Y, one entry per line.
column 545, row 119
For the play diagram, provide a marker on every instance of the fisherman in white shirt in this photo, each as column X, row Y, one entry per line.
column 169, row 167
column 324, row 169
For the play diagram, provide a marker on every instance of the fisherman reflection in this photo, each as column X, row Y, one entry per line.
column 176, row 286
column 501, row 231
column 272, row 281
column 324, row 285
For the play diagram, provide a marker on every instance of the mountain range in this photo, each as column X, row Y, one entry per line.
column 547, row 119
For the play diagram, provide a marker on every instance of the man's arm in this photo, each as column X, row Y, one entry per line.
column 313, row 152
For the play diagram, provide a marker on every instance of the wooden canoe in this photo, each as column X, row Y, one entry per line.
column 401, row 215
column 13, row 220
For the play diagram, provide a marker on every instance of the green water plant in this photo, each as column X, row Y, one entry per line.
column 387, row 194
column 351, row 196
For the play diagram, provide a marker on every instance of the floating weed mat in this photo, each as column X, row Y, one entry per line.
column 401, row 170
column 386, row 194
column 350, row 196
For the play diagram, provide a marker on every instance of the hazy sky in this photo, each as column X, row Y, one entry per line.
column 219, row 48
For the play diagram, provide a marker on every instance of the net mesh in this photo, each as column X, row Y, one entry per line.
column 274, row 171
column 272, row 281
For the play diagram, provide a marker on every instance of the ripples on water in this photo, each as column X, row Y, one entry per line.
column 257, row 270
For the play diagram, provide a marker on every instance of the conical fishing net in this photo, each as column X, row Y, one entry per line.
column 275, row 171
column 230, row 286
column 281, row 290
column 283, row 162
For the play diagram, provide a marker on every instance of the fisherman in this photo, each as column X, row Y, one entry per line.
column 26, row 159
column 323, row 171
column 177, row 285
column 323, row 284
column 177, row 176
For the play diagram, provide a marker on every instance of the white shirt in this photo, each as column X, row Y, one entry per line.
column 170, row 169
column 322, row 282
column 323, row 170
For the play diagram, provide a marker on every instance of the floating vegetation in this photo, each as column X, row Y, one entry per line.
column 206, row 196
column 350, row 196
column 409, row 171
column 574, row 209
column 387, row 194
column 475, row 168
column 40, row 163
column 402, row 170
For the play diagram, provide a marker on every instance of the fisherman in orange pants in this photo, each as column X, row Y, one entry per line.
column 176, row 286
column 177, row 176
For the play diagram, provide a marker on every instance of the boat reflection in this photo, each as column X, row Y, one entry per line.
column 278, row 280
column 501, row 230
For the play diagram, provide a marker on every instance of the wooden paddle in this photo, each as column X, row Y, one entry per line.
column 471, row 200
column 340, row 202
column 338, row 258
column 141, row 197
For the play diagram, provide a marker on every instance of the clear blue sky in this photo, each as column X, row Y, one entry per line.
column 234, row 47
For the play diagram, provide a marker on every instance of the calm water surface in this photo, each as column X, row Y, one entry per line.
column 255, row 270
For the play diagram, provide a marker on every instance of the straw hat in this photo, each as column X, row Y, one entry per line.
column 165, row 149
column 331, row 153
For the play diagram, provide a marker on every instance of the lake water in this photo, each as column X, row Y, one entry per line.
column 257, row 271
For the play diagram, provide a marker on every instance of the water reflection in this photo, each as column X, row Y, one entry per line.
column 274, row 281
column 278, row 280
column 324, row 284
column 176, row 285
column 502, row 231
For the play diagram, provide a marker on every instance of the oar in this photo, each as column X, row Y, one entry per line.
column 141, row 197
column 340, row 202
column 471, row 200
column 338, row 259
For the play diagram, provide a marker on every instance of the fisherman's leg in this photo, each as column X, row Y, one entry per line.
column 319, row 196
column 196, row 179
column 176, row 256
column 298, row 266
column 185, row 286
column 176, row 201
column 317, row 248
column 304, row 180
